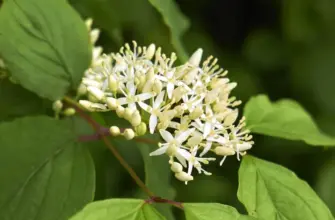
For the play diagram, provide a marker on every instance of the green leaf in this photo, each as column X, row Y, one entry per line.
column 18, row 101
column 325, row 185
column 284, row 119
column 210, row 211
column 44, row 172
column 45, row 45
column 117, row 209
column 272, row 192
column 158, row 177
column 176, row 21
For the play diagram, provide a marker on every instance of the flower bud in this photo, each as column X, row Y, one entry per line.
column 114, row 131
column 91, row 82
column 88, row 23
column 120, row 111
column 176, row 167
column 183, row 176
column 57, row 105
column 96, row 93
column 150, row 74
column 82, row 90
column 69, row 112
column 157, row 86
column 194, row 141
column 135, row 119
column 244, row 146
column 129, row 133
column 232, row 85
column 195, row 59
column 141, row 129
column 87, row 105
column 150, row 51
column 112, row 83
column 111, row 103
column 197, row 112
column 128, row 112
column 230, row 118
column 94, row 34
column 224, row 151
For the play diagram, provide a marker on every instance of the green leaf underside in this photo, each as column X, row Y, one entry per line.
column 45, row 45
column 176, row 22
column 211, row 211
column 272, row 192
column 284, row 119
column 45, row 173
column 158, row 177
column 118, row 209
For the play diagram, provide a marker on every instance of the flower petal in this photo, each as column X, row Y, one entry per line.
column 206, row 149
column 145, row 107
column 169, row 89
column 159, row 151
column 144, row 96
column 184, row 135
column 122, row 101
column 167, row 136
column 159, row 99
column 152, row 123
column 207, row 129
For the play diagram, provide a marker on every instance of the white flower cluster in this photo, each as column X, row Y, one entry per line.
column 188, row 105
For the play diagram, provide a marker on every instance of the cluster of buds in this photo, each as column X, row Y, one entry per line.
column 188, row 105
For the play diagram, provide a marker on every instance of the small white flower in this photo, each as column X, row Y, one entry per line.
column 154, row 111
column 131, row 98
column 174, row 145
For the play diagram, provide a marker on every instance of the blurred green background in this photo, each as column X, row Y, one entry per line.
column 285, row 49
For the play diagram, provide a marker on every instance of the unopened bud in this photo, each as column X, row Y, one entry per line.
column 195, row 59
column 111, row 103
column 224, row 151
column 112, row 83
column 141, row 129
column 135, row 119
column 150, row 74
column 176, row 167
column 128, row 112
column 129, row 133
column 114, row 131
column 244, row 146
column 94, row 34
column 230, row 118
column 157, row 86
column 69, row 112
column 197, row 112
column 150, row 51
column 82, row 90
column 88, row 23
column 120, row 111
column 183, row 176
column 95, row 92
column 86, row 104
column 194, row 141
column 57, row 105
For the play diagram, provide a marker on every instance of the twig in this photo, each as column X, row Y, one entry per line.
column 100, row 129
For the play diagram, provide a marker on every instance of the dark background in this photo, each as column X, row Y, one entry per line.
column 285, row 49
